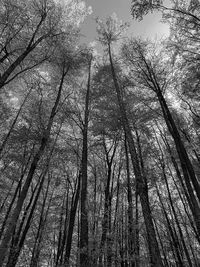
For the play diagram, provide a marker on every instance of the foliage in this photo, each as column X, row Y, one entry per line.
column 67, row 171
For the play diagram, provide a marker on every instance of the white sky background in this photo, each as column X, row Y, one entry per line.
column 149, row 27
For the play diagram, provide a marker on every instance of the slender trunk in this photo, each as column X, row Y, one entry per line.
column 188, row 235
column 154, row 252
column 16, row 212
column 17, row 190
column 18, row 233
column 187, row 189
column 95, row 222
column 184, row 203
column 116, row 217
column 162, row 246
column 5, row 200
column 188, row 170
column 177, row 221
column 133, row 252
column 38, row 239
column 109, row 238
column 84, row 250
column 30, row 47
column 173, row 236
column 174, row 228
column 72, row 217
column 105, row 223
column 64, row 237
column 20, row 239
column 14, row 122
column 189, row 175
column 10, row 206
column 107, row 204
column 137, row 237
column 60, row 234
column 122, row 237
column 117, row 201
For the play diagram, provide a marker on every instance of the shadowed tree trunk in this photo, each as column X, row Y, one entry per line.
column 176, row 220
column 16, row 212
column 107, row 203
column 84, row 250
column 20, row 236
column 19, row 233
column 133, row 236
column 72, row 217
column 42, row 222
column 186, row 164
column 153, row 77
column 13, row 123
column 174, row 238
column 188, row 191
column 154, row 252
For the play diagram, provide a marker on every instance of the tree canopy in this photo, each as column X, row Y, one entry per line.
column 99, row 152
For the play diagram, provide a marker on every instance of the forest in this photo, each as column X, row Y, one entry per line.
column 99, row 152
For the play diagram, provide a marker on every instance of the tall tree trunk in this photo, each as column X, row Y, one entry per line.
column 189, row 193
column 162, row 245
column 61, row 231
column 65, row 230
column 176, row 220
column 84, row 250
column 184, row 203
column 133, row 242
column 17, row 210
column 72, row 217
column 94, row 248
column 21, row 235
column 38, row 239
column 14, row 122
column 17, row 191
column 186, row 165
column 107, row 203
column 20, row 232
column 154, row 251
column 137, row 237
column 173, row 235
column 187, row 189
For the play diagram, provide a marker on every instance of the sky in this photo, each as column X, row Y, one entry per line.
column 149, row 27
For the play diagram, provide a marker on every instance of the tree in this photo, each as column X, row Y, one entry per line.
column 152, row 75
column 63, row 67
column 99, row 156
column 84, row 254
column 109, row 34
